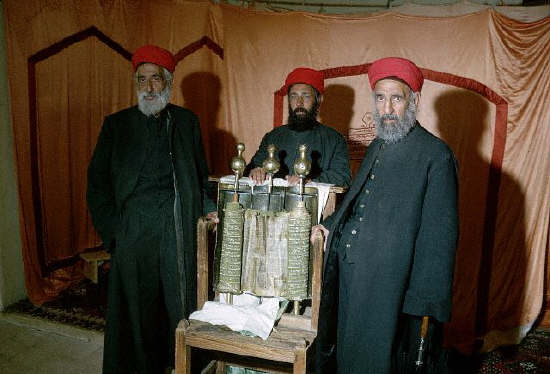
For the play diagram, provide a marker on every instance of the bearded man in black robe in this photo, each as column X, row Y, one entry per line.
column 147, row 186
column 391, row 244
column 327, row 150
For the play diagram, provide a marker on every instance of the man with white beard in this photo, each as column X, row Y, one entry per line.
column 147, row 186
column 391, row 244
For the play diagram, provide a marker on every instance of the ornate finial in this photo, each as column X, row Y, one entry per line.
column 270, row 164
column 302, row 166
column 237, row 163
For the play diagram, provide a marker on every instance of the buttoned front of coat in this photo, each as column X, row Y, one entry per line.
column 400, row 258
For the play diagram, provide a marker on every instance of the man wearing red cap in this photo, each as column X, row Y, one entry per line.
column 327, row 149
column 147, row 186
column 391, row 244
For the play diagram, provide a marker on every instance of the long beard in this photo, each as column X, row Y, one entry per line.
column 155, row 106
column 392, row 133
column 301, row 119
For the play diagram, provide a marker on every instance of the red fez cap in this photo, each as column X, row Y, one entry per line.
column 154, row 55
column 308, row 76
column 396, row 67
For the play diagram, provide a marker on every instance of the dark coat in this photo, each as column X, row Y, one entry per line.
column 115, row 167
column 327, row 151
column 402, row 260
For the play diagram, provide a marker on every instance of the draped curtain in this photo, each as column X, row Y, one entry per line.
column 486, row 95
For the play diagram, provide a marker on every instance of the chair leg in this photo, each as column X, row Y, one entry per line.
column 183, row 351
column 299, row 366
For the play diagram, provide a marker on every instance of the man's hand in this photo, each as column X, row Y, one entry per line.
column 213, row 217
column 257, row 175
column 292, row 179
column 319, row 228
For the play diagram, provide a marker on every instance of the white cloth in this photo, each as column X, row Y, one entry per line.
column 323, row 189
column 246, row 314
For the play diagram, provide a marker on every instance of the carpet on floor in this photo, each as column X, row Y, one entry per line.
column 529, row 357
column 84, row 305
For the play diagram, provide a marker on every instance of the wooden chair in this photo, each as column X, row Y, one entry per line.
column 285, row 351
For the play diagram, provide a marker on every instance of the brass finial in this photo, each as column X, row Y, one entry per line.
column 302, row 166
column 237, row 163
column 270, row 164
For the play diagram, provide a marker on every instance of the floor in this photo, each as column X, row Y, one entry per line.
column 29, row 345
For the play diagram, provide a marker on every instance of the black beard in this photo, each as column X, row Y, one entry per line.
column 306, row 121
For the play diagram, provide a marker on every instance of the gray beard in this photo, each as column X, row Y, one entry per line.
column 397, row 131
column 155, row 106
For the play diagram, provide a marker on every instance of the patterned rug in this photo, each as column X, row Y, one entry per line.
column 82, row 305
column 531, row 356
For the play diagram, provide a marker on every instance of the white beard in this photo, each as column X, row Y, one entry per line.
column 155, row 106
column 401, row 127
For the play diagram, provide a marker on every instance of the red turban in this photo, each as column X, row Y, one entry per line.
column 154, row 55
column 396, row 67
column 308, row 76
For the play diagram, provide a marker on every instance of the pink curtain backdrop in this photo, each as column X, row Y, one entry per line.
column 486, row 94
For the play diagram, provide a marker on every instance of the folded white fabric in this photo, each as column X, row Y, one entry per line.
column 323, row 189
column 252, row 317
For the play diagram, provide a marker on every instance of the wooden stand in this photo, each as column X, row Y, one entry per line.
column 286, row 349
column 92, row 260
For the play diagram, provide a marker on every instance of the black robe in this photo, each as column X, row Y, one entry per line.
column 327, row 151
column 397, row 261
column 152, row 255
